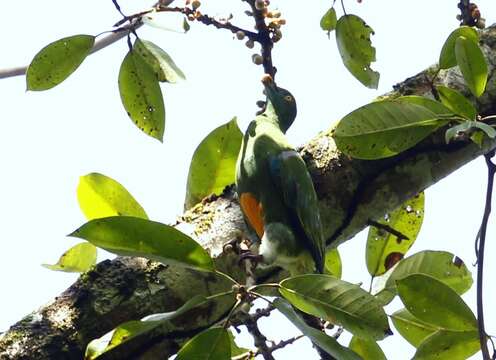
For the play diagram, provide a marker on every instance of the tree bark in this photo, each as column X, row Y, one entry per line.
column 350, row 191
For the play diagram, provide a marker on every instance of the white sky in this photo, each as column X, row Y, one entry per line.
column 49, row 139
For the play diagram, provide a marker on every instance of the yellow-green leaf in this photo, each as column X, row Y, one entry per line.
column 448, row 345
column 367, row 349
column 412, row 329
column 339, row 302
column 162, row 64
column 357, row 52
column 132, row 236
column 472, row 63
column 141, row 95
column 333, row 264
column 101, row 196
column 384, row 249
column 458, row 103
column 447, row 57
column 79, row 258
column 214, row 162
column 210, row 344
column 56, row 61
column 329, row 20
column 435, row 303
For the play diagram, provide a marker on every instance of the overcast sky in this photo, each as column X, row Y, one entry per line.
column 49, row 139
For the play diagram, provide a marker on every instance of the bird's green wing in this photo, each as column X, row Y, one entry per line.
column 290, row 175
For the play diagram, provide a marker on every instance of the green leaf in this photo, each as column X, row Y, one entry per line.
column 56, row 61
column 458, row 103
column 186, row 25
column 467, row 127
column 472, row 64
column 214, row 163
column 161, row 63
column 141, row 95
column 237, row 351
column 79, row 258
column 101, row 196
column 333, row 264
column 384, row 128
column 353, row 38
column 385, row 249
column 132, row 236
column 449, row 345
column 441, row 265
column 367, row 349
column 324, row 341
column 210, row 344
column 435, row 303
column 339, row 302
column 447, row 57
column 435, row 106
column 329, row 20
column 412, row 329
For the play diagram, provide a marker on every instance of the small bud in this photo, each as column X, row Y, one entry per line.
column 261, row 104
column 277, row 35
column 259, row 4
column 250, row 44
column 459, row 17
column 195, row 4
column 257, row 59
column 248, row 13
column 481, row 23
column 240, row 35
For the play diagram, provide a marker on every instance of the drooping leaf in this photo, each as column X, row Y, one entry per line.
column 101, row 196
column 56, row 61
column 458, row 103
column 210, row 344
column 324, row 341
column 435, row 303
column 412, row 329
column 467, row 128
column 79, row 258
column 448, row 345
column 162, row 64
column 447, row 58
column 339, row 302
column 367, row 349
column 333, row 264
column 237, row 351
column 384, row 128
column 132, row 236
column 141, row 95
column 214, row 161
column 472, row 63
column 441, row 265
column 329, row 20
column 353, row 38
column 384, row 249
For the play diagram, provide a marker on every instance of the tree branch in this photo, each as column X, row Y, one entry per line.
column 350, row 192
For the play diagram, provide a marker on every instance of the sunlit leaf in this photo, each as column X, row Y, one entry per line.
column 333, row 264
column 101, row 196
column 339, row 302
column 447, row 57
column 435, row 106
column 214, row 162
column 56, row 61
column 458, row 103
column 448, row 345
column 141, row 95
column 79, row 258
column 210, row 344
column 367, row 349
column 329, row 20
column 384, row 249
column 412, row 329
column 132, row 236
column 384, row 128
column 324, row 341
column 435, row 303
column 440, row 265
column 353, row 38
column 472, row 63
column 159, row 60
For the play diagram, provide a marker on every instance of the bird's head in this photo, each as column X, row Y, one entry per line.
column 283, row 103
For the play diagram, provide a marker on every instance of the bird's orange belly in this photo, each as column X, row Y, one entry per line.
column 253, row 211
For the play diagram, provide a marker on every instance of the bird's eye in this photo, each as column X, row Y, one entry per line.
column 288, row 98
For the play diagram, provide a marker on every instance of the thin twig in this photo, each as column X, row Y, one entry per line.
column 491, row 170
column 388, row 229
column 259, row 339
column 283, row 343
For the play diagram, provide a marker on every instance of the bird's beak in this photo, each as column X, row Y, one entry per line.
column 269, row 85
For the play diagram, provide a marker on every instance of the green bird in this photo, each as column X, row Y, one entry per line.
column 275, row 190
